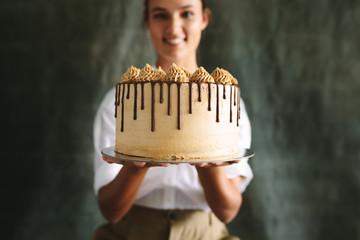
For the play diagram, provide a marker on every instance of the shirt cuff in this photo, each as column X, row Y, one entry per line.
column 240, row 169
column 104, row 174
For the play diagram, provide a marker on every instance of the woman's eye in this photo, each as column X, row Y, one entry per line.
column 187, row 14
column 160, row 16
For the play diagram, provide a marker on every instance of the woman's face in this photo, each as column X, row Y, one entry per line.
column 175, row 27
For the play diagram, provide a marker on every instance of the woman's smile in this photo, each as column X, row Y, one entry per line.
column 174, row 41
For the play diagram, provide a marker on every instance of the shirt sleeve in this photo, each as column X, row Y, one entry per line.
column 242, row 168
column 104, row 136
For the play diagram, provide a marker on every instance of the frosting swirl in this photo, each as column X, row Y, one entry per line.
column 187, row 72
column 222, row 76
column 234, row 81
column 130, row 75
column 201, row 75
column 147, row 74
column 160, row 74
column 176, row 74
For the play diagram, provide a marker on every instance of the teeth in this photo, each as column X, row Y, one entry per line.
column 174, row 41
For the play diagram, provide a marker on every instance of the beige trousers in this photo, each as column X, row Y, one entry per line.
column 153, row 224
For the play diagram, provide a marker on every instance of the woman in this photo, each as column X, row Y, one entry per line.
column 162, row 201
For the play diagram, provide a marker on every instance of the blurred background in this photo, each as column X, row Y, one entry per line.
column 298, row 65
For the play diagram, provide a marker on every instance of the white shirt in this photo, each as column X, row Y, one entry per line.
column 173, row 187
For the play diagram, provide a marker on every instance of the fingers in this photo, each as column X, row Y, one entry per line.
column 140, row 164
column 155, row 164
column 112, row 160
column 137, row 164
column 144, row 164
column 214, row 164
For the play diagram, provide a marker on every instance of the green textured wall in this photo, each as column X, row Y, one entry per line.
column 298, row 64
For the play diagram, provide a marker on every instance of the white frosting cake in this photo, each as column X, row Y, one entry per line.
column 177, row 115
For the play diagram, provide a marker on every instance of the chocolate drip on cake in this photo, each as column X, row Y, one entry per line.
column 152, row 107
column 142, row 96
column 135, row 101
column 128, row 91
column 190, row 97
column 231, row 88
column 122, row 108
column 161, row 93
column 117, row 90
column 169, row 98
column 217, row 103
column 120, row 99
column 179, row 84
column 234, row 98
column 238, row 106
column 209, row 99
column 199, row 89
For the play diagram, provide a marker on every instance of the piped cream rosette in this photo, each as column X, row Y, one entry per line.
column 178, row 74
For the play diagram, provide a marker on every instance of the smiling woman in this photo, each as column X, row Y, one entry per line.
column 162, row 201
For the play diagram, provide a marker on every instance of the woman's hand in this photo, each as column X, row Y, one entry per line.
column 147, row 164
column 214, row 164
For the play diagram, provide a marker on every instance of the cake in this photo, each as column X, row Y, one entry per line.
column 177, row 115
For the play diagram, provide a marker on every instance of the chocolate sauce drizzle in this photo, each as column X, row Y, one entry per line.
column 217, row 103
column 234, row 98
column 161, row 93
column 169, row 98
column 122, row 109
column 142, row 96
column 238, row 106
column 135, row 101
column 117, row 90
column 179, row 104
column 128, row 92
column 120, row 95
column 190, row 97
column 231, row 88
column 152, row 107
column 209, row 102
column 199, row 89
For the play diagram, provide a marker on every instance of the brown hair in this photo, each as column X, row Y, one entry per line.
column 146, row 8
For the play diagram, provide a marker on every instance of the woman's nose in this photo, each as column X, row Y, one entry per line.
column 175, row 24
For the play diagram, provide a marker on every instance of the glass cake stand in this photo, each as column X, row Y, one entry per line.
column 110, row 152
